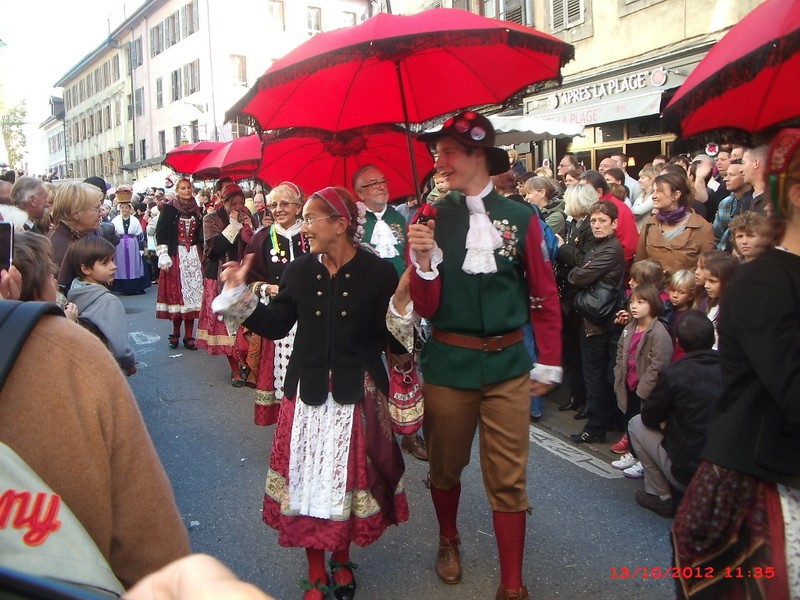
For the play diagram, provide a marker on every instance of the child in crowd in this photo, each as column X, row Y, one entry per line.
column 682, row 294
column 644, row 272
column 701, row 301
column 644, row 348
column 717, row 274
column 93, row 259
column 750, row 235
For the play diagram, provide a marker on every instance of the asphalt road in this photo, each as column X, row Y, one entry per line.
column 585, row 522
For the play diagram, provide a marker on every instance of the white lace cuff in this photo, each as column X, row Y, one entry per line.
column 436, row 259
column 162, row 250
column 402, row 326
column 235, row 305
column 164, row 261
column 231, row 232
column 546, row 373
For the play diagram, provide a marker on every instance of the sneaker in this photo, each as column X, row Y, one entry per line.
column 663, row 508
column 634, row 472
column 625, row 462
column 623, row 446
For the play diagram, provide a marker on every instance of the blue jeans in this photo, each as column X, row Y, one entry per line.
column 536, row 401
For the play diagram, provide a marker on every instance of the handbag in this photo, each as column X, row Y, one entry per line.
column 406, row 403
column 599, row 302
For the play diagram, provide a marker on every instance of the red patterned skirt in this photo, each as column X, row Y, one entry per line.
column 180, row 289
column 371, row 509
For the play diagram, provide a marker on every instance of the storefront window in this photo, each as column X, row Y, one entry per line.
column 646, row 127
column 610, row 132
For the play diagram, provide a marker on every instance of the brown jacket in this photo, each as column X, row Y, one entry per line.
column 680, row 252
column 655, row 352
column 72, row 417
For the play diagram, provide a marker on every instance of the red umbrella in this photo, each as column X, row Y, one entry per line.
column 749, row 81
column 237, row 159
column 314, row 159
column 184, row 159
column 401, row 69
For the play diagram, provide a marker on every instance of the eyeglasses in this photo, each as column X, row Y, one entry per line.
column 94, row 208
column 374, row 185
column 284, row 206
column 309, row 222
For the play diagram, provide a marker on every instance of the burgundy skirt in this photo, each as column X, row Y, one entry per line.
column 374, row 484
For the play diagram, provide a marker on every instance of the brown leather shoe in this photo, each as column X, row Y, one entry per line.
column 414, row 445
column 520, row 594
column 448, row 562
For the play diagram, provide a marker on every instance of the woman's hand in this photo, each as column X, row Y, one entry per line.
column 234, row 274
column 10, row 283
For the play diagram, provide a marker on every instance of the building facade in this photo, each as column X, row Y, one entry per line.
column 166, row 76
column 54, row 131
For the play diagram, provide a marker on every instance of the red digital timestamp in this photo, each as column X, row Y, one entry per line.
column 691, row 573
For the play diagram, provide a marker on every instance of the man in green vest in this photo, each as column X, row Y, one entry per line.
column 385, row 230
column 479, row 275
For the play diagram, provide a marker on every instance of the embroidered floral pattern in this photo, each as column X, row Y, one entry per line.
column 510, row 238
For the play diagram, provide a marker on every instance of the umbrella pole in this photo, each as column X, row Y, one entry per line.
column 408, row 132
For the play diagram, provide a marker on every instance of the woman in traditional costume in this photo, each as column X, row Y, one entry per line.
column 131, row 277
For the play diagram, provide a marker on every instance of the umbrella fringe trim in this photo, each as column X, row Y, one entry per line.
column 736, row 73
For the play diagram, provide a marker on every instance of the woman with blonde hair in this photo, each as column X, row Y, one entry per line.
column 643, row 206
column 76, row 214
column 273, row 249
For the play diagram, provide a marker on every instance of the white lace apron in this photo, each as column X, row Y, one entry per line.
column 320, row 446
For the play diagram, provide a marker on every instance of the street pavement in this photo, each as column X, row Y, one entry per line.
column 585, row 526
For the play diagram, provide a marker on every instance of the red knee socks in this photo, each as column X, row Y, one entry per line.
column 509, row 529
column 316, row 566
column 344, row 575
column 445, row 502
column 188, row 328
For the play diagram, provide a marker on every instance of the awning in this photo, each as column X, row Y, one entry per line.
column 613, row 109
column 520, row 129
column 148, row 162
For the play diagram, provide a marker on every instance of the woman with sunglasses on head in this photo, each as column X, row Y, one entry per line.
column 226, row 233
column 335, row 468
column 273, row 248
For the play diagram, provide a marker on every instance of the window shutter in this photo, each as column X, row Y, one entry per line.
column 513, row 11
column 462, row 4
column 574, row 13
column 557, row 14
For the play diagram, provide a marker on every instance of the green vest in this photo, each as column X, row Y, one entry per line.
column 479, row 305
column 398, row 225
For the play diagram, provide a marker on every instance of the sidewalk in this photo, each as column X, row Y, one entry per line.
column 563, row 424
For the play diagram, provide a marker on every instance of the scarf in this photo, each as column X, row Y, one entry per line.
column 671, row 217
column 383, row 239
column 288, row 234
column 482, row 238
column 187, row 208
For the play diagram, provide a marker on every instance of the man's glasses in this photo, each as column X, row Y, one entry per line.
column 284, row 206
column 374, row 185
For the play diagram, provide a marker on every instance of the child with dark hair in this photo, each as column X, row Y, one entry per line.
column 670, row 433
column 717, row 274
column 702, row 301
column 644, row 348
column 98, row 309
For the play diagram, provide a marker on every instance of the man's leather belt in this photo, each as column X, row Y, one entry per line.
column 493, row 343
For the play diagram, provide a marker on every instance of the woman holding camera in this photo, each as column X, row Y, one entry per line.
column 226, row 233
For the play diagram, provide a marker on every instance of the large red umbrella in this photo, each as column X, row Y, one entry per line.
column 184, row 159
column 401, row 69
column 237, row 159
column 314, row 159
column 749, row 81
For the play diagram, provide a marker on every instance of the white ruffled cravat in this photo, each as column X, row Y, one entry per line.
column 383, row 239
column 483, row 238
